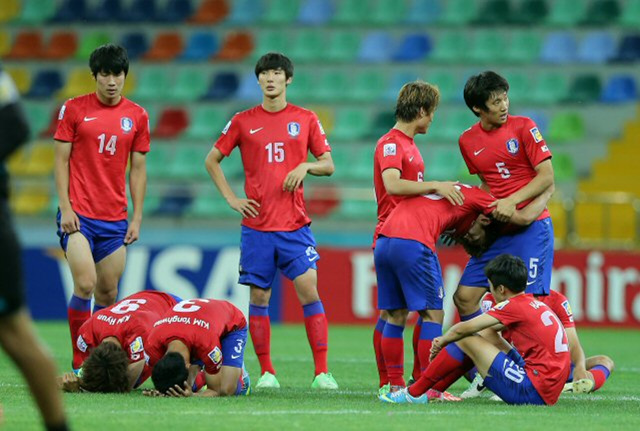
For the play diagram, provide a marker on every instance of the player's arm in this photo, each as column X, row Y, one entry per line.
column 133, row 372
column 532, row 211
column 464, row 329
column 577, row 355
column 137, row 187
column 483, row 184
column 322, row 167
column 541, row 182
column 396, row 186
column 69, row 221
column 246, row 207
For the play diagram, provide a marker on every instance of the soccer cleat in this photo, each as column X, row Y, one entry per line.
column 475, row 389
column 324, row 381
column 403, row 396
column 246, row 383
column 582, row 386
column 496, row 398
column 384, row 389
column 568, row 388
column 267, row 381
column 437, row 396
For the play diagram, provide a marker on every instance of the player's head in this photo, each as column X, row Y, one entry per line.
column 169, row 371
column 105, row 370
column 417, row 101
column 486, row 95
column 274, row 72
column 480, row 235
column 109, row 65
column 506, row 273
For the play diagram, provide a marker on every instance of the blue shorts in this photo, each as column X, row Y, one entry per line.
column 262, row 253
column 233, row 345
column 409, row 275
column 104, row 237
column 534, row 246
column 507, row 379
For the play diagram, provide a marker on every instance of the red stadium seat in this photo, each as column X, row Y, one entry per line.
column 236, row 46
column 210, row 12
column 172, row 122
column 62, row 45
column 166, row 46
column 28, row 45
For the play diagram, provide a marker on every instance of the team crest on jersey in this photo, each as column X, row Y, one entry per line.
column 126, row 124
column 293, row 128
column 513, row 146
column 537, row 136
column 82, row 345
column 389, row 150
column 501, row 305
column 215, row 355
column 136, row 346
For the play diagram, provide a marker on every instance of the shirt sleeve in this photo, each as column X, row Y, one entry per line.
column 505, row 312
column 467, row 160
column 229, row 138
column 390, row 155
column 142, row 140
column 318, row 143
column 563, row 310
column 534, row 144
column 66, row 129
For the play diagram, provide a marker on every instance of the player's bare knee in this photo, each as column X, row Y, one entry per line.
column 259, row 297
column 398, row 317
column 106, row 297
column 606, row 362
column 85, row 285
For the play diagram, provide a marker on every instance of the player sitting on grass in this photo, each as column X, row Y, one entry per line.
column 533, row 374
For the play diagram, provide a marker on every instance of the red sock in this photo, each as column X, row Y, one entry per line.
column 428, row 332
column 447, row 381
column 315, row 322
column 78, row 312
column 450, row 360
column 417, row 357
column 393, row 352
column 377, row 348
column 600, row 375
column 260, row 330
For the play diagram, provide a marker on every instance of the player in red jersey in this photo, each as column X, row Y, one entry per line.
column 274, row 139
column 533, row 374
column 110, row 346
column 398, row 172
column 199, row 333
column 513, row 161
column 97, row 135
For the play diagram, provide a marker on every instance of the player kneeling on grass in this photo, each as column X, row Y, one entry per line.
column 533, row 374
column 196, row 334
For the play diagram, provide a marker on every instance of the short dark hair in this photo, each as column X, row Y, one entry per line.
column 509, row 271
column 491, row 232
column 105, row 370
column 169, row 371
column 274, row 61
column 109, row 58
column 480, row 87
column 416, row 95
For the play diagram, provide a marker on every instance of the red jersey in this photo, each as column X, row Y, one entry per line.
column 200, row 324
column 556, row 301
column 398, row 151
column 129, row 320
column 505, row 157
column 102, row 139
column 272, row 144
column 538, row 335
column 424, row 218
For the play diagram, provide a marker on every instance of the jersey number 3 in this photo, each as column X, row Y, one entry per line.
column 110, row 146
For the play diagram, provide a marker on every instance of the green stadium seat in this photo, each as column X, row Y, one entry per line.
column 494, row 12
column 301, row 88
column 487, row 46
column 232, row 167
column 367, row 86
column 207, row 123
column 465, row 177
column 342, row 160
column 630, row 16
column 349, row 12
column 210, row 204
column 36, row 11
column 385, row 12
column 270, row 41
column 566, row 13
column 362, row 164
column 38, row 116
column 352, row 124
column 331, row 87
column 382, row 122
column 158, row 160
column 154, row 115
column 563, row 168
column 519, row 87
column 154, row 84
column 281, row 12
column 602, row 12
column 585, row 88
column 190, row 85
column 530, row 12
column 550, row 88
column 442, row 164
column 450, row 47
column 458, row 12
column 307, row 46
column 188, row 163
column 450, row 91
column 91, row 41
column 343, row 46
column 565, row 127
column 356, row 210
column 448, row 126
column 524, row 47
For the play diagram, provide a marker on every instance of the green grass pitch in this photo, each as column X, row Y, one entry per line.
column 295, row 406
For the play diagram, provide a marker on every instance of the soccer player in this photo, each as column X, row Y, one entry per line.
column 398, row 172
column 199, row 333
column 533, row 374
column 16, row 328
column 513, row 161
column 110, row 345
column 97, row 135
column 274, row 139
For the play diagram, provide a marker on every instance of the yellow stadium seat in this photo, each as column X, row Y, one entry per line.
column 21, row 77
column 5, row 42
column 41, row 159
column 30, row 202
column 9, row 10
column 325, row 115
column 18, row 162
column 559, row 218
column 79, row 81
column 589, row 221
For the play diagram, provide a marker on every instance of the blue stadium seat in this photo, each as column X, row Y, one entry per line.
column 223, row 86
column 71, row 10
column 315, row 12
column 559, row 48
column 136, row 44
column 539, row 117
column 201, row 46
column 398, row 79
column 376, row 47
column 423, row 11
column 620, row 89
column 597, row 47
column 414, row 47
column 106, row 10
column 249, row 88
column 245, row 11
column 629, row 49
column 141, row 11
column 45, row 84
column 176, row 11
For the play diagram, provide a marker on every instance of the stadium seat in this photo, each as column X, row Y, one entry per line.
column 442, row 163
column 105, row 11
column 249, row 90
column 398, row 79
column 40, row 162
column 315, row 12
column 174, row 202
column 211, row 12
column 586, row 88
column 325, row 116
column 349, row 12
column 383, row 121
column 206, row 123
column 352, row 124
column 450, row 125
column 270, row 41
column 202, row 45
column 458, row 12
column 223, row 86
column 413, row 47
column 376, row 47
column 30, row 201
column 308, row 46
column 281, row 12
column 190, row 85
column 244, row 12
column 171, row 123
column 559, row 48
column 343, row 46
column 62, row 45
column 450, row 89
column 563, row 168
column 53, row 124
column 36, row 11
column 538, row 116
column 331, row 87
column 154, row 84
column 188, row 163
column 10, row 9
column 79, row 81
column 136, row 44
column 165, row 47
column 70, row 11
column 565, row 127
column 356, row 210
column 21, row 77
column 423, row 12
column 629, row 49
column 520, row 86
column 494, row 12
column 630, row 16
column 89, row 42
column 487, row 46
column 550, row 88
column 450, row 47
column 524, row 47
column 5, row 42
column 566, row 13
column 300, row 88
column 38, row 116
column 236, row 46
column 385, row 13
column 620, row 89
column 158, row 160
column 208, row 204
column 45, row 84
column 28, row 44
column 529, row 12
column 141, row 11
column 176, row 11
column 361, row 164
column 602, row 12
column 367, row 86
column 597, row 47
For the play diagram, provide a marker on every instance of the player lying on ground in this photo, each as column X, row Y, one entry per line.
column 533, row 374
column 109, row 349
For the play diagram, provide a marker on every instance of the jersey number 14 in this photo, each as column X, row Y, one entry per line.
column 110, row 146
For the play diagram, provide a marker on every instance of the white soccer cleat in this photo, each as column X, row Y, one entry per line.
column 495, row 398
column 475, row 389
column 582, row 386
column 267, row 381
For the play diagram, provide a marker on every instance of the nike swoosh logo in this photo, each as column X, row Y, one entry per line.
column 311, row 259
column 475, row 153
column 235, row 356
column 411, row 159
column 252, row 131
column 529, row 283
column 90, row 118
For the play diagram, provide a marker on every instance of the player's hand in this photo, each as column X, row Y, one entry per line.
column 69, row 221
column 68, row 382
column 504, row 209
column 246, row 207
column 436, row 346
column 178, row 391
column 449, row 191
column 152, row 393
column 133, row 233
column 295, row 177
column 579, row 374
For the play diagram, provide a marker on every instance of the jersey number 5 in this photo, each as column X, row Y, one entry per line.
column 111, row 144
column 502, row 169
